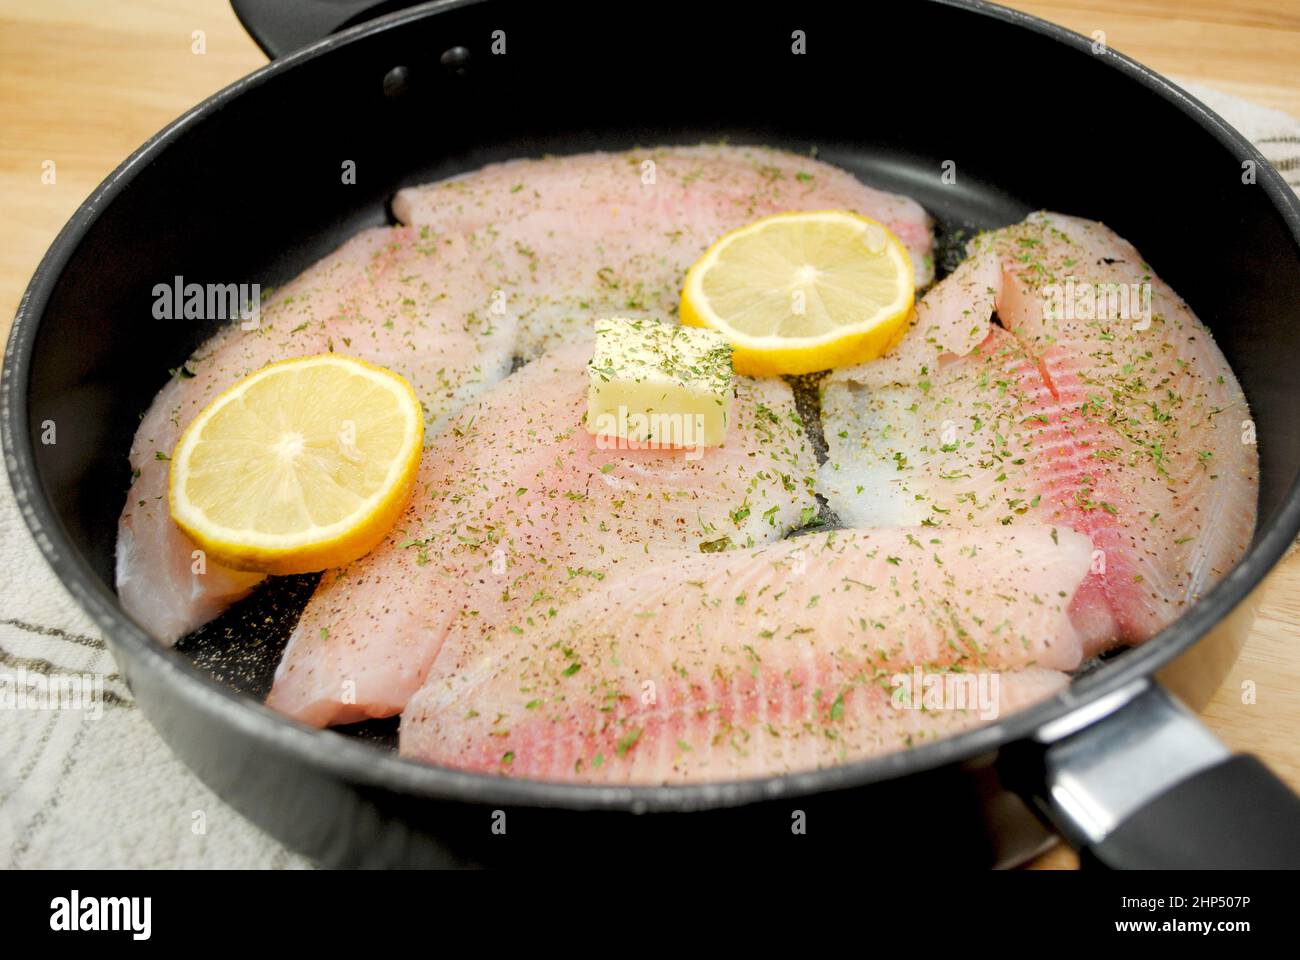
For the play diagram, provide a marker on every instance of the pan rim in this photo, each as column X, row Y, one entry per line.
column 361, row 763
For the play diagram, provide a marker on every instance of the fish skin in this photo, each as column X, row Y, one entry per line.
column 500, row 270
column 373, row 298
column 1167, row 492
column 516, row 477
column 649, row 233
column 758, row 662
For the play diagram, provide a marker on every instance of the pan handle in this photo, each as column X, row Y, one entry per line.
column 283, row 26
column 1136, row 781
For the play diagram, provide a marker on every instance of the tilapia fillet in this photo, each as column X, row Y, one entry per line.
column 758, row 662
column 502, row 263
column 640, row 219
column 1119, row 419
column 383, row 297
column 518, row 511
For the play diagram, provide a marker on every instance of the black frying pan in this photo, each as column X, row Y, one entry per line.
column 247, row 186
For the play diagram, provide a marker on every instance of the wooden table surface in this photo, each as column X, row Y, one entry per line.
column 84, row 82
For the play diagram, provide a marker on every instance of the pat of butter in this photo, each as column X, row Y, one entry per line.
column 653, row 385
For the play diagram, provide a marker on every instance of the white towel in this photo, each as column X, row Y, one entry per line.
column 98, row 788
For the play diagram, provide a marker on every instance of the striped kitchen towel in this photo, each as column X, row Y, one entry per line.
column 1276, row 134
column 96, row 787
column 93, row 785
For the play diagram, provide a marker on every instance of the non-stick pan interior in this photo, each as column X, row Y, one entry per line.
column 250, row 190
column 242, row 647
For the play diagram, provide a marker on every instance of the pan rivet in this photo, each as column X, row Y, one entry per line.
column 397, row 81
column 455, row 59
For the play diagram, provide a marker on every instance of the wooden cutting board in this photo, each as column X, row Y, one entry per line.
column 84, row 83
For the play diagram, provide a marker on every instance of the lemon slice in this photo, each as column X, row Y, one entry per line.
column 799, row 292
column 304, row 465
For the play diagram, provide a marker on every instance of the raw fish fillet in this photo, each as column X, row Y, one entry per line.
column 644, row 217
column 759, row 662
column 517, row 511
column 383, row 297
column 1130, row 429
column 496, row 264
